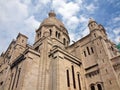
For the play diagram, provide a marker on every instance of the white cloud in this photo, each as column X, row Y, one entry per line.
column 83, row 19
column 29, row 29
column 14, row 18
column 13, row 13
column 32, row 23
column 79, row 2
column 70, row 15
column 72, row 36
column 72, row 23
column 26, row 1
column 57, row 4
column 117, row 39
column 91, row 7
column 116, row 19
column 85, row 32
column 66, row 9
column 10, row 10
column 113, row 29
column 44, row 1
column 117, row 31
column 69, row 9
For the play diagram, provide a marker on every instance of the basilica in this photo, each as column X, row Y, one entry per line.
column 52, row 63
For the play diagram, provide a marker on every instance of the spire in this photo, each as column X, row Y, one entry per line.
column 52, row 14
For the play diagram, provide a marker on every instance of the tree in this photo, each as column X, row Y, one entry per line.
column 118, row 46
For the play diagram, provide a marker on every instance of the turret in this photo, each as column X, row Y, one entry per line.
column 20, row 46
column 92, row 25
column 96, row 30
column 21, row 40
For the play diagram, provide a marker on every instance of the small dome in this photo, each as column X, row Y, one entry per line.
column 91, row 20
column 52, row 20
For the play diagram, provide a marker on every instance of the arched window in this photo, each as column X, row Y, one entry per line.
column 64, row 41
column 11, row 81
column 99, row 87
column 68, row 78
column 22, row 41
column 91, row 25
column 59, row 35
column 56, row 34
column 14, row 78
column 50, row 32
column 88, row 51
column 92, row 50
column 40, row 34
column 79, row 84
column 18, row 77
column 94, row 34
column 92, row 87
column 73, row 76
column 1, row 83
column 85, row 53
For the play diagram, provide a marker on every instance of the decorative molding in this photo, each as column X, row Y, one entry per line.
column 91, row 67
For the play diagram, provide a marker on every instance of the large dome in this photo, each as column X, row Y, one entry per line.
column 52, row 20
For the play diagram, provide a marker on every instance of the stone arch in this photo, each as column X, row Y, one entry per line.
column 99, row 86
column 67, row 68
column 64, row 41
column 56, row 34
column 68, row 80
column 79, row 80
column 59, row 35
column 50, row 32
column 92, row 87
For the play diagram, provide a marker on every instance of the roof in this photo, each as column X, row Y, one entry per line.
column 20, row 34
column 52, row 20
column 91, row 20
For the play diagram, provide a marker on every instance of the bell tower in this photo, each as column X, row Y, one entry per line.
column 96, row 29
column 50, row 34
column 92, row 25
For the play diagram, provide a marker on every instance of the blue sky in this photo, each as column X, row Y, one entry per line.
column 25, row 16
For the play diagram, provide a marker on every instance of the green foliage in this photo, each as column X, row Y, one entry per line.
column 118, row 46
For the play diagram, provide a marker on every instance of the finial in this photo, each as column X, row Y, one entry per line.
column 52, row 14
